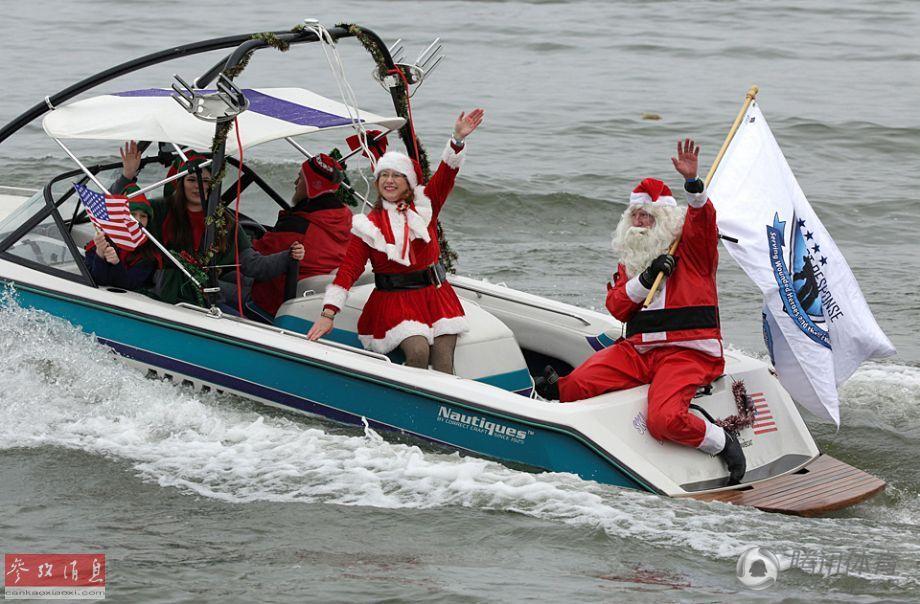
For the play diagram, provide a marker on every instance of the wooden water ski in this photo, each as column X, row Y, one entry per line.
column 824, row 485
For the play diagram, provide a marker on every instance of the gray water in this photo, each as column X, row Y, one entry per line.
column 199, row 497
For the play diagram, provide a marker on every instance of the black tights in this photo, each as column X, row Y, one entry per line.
column 439, row 355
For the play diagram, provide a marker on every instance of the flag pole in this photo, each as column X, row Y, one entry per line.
column 748, row 99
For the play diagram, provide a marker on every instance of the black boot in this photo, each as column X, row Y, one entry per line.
column 547, row 385
column 733, row 457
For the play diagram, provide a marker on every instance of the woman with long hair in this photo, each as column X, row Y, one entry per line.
column 181, row 225
column 413, row 307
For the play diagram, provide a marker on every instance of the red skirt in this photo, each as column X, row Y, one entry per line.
column 389, row 317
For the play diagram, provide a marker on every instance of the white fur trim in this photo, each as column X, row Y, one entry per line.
column 418, row 218
column 453, row 159
column 712, row 346
column 453, row 325
column 714, row 440
column 335, row 296
column 697, row 200
column 646, row 199
column 395, row 336
column 398, row 162
column 636, row 291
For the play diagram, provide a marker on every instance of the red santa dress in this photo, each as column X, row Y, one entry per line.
column 674, row 345
column 400, row 240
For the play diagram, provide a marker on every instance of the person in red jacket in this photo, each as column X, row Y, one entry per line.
column 413, row 307
column 318, row 220
column 675, row 344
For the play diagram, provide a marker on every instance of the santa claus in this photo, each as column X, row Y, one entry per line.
column 674, row 344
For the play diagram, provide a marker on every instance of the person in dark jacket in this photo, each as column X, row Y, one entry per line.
column 128, row 269
column 318, row 220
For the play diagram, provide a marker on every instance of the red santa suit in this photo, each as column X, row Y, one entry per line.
column 675, row 344
column 322, row 225
column 400, row 239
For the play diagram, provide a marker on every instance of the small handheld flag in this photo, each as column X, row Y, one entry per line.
column 111, row 215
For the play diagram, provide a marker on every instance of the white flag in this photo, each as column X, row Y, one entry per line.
column 817, row 325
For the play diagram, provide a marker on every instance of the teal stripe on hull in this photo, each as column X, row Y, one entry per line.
column 513, row 381
column 312, row 386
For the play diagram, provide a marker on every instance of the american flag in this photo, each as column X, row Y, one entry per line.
column 112, row 216
column 763, row 417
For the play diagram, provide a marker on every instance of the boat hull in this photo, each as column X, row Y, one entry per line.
column 280, row 378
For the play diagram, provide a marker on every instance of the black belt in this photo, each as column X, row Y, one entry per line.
column 433, row 275
column 673, row 319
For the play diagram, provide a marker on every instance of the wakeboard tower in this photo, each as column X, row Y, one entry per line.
column 488, row 408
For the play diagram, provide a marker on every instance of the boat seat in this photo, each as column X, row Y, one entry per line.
column 317, row 284
column 488, row 352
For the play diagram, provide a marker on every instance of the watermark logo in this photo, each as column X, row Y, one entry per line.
column 54, row 576
column 757, row 568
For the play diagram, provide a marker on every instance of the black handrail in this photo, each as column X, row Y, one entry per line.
column 155, row 58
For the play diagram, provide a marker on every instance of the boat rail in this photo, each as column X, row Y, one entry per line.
column 222, row 315
column 17, row 191
column 564, row 313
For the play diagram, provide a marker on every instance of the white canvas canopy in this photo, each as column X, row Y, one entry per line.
column 152, row 115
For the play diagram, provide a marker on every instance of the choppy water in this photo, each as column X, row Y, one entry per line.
column 198, row 497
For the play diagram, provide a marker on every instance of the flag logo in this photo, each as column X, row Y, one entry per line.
column 764, row 421
column 111, row 215
column 802, row 286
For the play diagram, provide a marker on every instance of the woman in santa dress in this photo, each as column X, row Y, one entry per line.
column 412, row 307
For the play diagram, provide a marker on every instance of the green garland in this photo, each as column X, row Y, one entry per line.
column 345, row 194
column 194, row 263
column 401, row 102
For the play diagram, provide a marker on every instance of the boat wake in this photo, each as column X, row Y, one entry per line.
column 59, row 388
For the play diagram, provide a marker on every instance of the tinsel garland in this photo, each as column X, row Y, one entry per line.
column 745, row 416
column 194, row 267
column 401, row 102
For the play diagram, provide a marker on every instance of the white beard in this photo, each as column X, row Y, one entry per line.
column 638, row 246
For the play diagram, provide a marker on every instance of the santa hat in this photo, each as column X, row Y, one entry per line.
column 398, row 162
column 652, row 192
column 138, row 203
column 322, row 174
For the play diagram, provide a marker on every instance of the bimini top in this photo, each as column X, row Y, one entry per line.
column 152, row 115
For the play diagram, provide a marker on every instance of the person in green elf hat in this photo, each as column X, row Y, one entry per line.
column 114, row 266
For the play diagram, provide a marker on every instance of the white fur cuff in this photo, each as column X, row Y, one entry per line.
column 453, row 159
column 636, row 291
column 335, row 296
column 697, row 200
column 713, row 441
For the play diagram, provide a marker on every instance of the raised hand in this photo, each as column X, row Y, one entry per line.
column 130, row 160
column 467, row 122
column 688, row 159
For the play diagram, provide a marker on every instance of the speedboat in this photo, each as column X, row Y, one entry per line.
column 488, row 408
